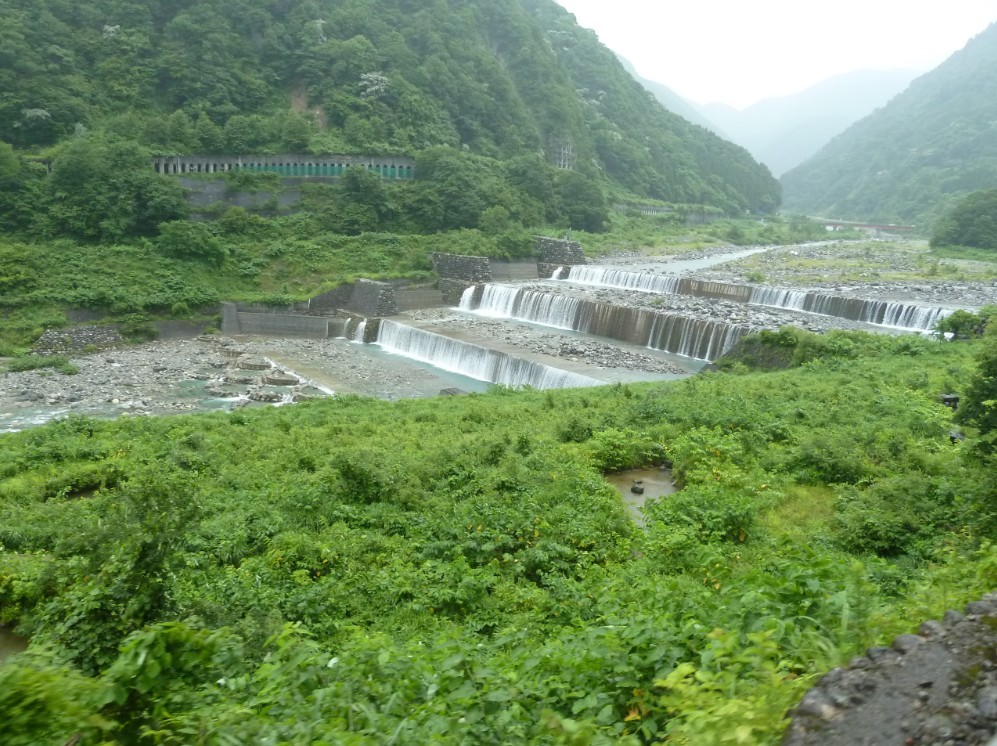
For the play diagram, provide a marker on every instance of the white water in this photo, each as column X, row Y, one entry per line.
column 473, row 361
column 507, row 302
column 692, row 338
column 882, row 313
column 617, row 278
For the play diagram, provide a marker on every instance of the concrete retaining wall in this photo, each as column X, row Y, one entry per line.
column 204, row 193
column 278, row 324
column 372, row 298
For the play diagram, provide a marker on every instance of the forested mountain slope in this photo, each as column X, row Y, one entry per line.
column 500, row 78
column 909, row 160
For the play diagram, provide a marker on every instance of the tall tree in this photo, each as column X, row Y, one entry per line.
column 105, row 189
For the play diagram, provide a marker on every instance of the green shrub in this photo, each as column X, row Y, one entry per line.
column 37, row 362
column 713, row 513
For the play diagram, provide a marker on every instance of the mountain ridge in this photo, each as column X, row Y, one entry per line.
column 501, row 79
column 913, row 158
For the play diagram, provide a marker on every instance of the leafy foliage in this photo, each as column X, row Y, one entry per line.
column 972, row 222
column 501, row 80
column 103, row 188
column 458, row 570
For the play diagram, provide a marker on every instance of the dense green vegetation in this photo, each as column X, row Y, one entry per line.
column 917, row 156
column 190, row 267
column 971, row 223
column 457, row 570
column 501, row 80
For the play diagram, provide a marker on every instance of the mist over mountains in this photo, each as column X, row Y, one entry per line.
column 912, row 159
column 783, row 132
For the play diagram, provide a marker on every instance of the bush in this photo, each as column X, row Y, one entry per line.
column 181, row 239
column 137, row 328
column 36, row 362
column 618, row 450
column 712, row 512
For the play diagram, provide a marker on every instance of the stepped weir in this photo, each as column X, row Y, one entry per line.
column 883, row 313
column 694, row 338
column 474, row 361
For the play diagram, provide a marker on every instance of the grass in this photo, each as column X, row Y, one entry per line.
column 37, row 362
column 803, row 509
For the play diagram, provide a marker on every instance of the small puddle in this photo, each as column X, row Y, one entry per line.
column 11, row 644
column 656, row 483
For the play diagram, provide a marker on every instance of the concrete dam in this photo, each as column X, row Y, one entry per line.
column 882, row 313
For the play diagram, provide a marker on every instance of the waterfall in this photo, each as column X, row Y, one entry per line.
column 507, row 302
column 779, row 298
column 473, row 361
column 358, row 334
column 695, row 338
column 881, row 313
column 588, row 274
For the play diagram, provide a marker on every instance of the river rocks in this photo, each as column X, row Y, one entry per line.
column 280, row 378
column 265, row 396
column 939, row 687
column 77, row 339
column 571, row 348
column 216, row 371
column 253, row 364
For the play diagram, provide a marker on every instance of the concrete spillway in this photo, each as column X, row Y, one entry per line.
column 474, row 361
column 693, row 338
column 883, row 313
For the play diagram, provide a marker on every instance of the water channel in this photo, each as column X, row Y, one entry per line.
column 654, row 483
column 11, row 643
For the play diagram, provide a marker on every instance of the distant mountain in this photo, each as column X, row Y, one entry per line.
column 911, row 159
column 783, row 132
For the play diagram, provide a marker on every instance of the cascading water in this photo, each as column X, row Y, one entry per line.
column 588, row 274
column 882, row 313
column 473, row 361
column 695, row 338
column 358, row 334
column 507, row 302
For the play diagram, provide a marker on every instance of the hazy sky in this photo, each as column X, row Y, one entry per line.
column 741, row 51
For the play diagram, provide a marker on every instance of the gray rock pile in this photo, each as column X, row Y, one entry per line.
column 938, row 688
column 76, row 340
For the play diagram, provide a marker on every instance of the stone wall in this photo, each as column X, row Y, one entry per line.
column 372, row 298
column 332, row 301
column 364, row 298
column 458, row 273
column 936, row 687
column 77, row 339
column 553, row 253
